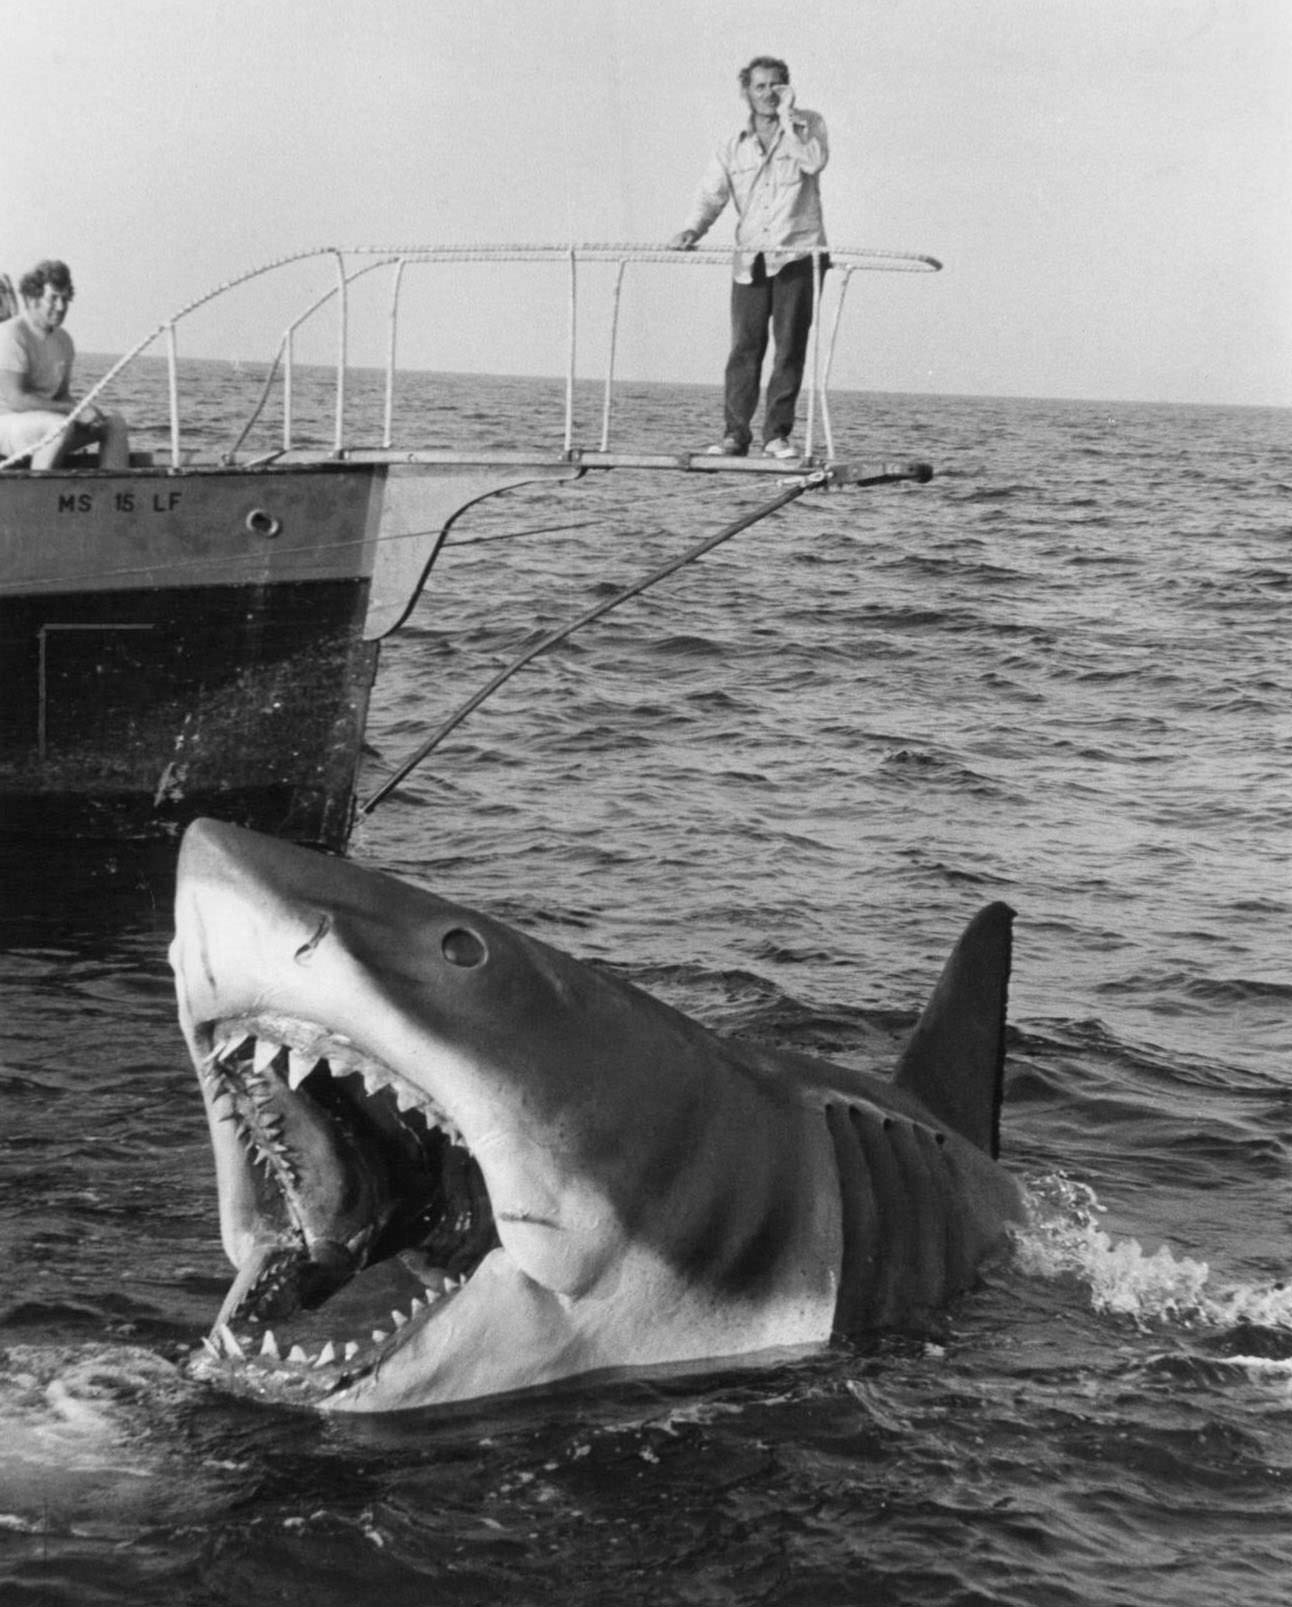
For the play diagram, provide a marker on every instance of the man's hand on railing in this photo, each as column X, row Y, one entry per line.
column 683, row 241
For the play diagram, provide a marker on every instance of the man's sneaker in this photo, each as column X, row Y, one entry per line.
column 730, row 446
column 781, row 446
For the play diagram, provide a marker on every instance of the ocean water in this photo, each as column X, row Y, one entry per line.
column 771, row 790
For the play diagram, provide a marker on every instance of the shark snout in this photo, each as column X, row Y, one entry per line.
column 246, row 917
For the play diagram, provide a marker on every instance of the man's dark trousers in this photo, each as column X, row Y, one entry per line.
column 784, row 302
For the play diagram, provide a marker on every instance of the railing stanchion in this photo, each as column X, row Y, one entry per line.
column 172, row 366
column 610, row 358
column 816, row 344
column 829, row 360
column 387, row 435
column 570, row 357
column 287, row 392
column 338, row 440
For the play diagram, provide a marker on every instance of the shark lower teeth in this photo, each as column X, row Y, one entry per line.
column 223, row 1344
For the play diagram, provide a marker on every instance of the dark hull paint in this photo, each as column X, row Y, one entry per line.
column 127, row 714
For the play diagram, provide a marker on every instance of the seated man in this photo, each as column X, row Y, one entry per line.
column 36, row 357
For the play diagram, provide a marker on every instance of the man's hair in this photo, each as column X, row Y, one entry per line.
column 773, row 63
column 50, row 272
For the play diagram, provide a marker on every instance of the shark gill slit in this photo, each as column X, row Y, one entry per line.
column 957, row 1264
column 902, row 1245
column 944, row 1233
column 858, row 1211
column 926, row 1286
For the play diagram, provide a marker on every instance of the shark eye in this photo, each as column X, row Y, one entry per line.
column 462, row 947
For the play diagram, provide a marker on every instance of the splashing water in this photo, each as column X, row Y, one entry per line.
column 1062, row 1237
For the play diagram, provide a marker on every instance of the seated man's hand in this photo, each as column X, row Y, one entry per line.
column 683, row 241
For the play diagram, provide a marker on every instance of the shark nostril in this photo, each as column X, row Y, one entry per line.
column 462, row 947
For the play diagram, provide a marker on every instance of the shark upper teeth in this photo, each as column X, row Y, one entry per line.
column 264, row 1054
column 341, row 1056
column 228, row 1047
column 299, row 1066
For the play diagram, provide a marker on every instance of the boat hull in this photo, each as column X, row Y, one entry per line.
column 176, row 645
column 203, row 641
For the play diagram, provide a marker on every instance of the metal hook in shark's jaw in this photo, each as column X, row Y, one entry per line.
column 655, row 1196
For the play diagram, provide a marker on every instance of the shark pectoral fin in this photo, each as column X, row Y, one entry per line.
column 954, row 1063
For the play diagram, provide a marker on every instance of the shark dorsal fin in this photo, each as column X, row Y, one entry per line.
column 954, row 1063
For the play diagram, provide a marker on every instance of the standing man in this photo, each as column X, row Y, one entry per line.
column 769, row 171
column 36, row 357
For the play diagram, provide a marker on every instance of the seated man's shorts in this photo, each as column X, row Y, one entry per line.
column 21, row 433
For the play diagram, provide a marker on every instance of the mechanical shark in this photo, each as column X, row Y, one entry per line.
column 571, row 1177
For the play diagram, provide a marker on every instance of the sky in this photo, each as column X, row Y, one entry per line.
column 1107, row 182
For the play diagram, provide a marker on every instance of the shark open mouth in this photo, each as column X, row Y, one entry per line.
column 351, row 1197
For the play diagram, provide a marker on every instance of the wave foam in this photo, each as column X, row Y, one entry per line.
column 1062, row 1238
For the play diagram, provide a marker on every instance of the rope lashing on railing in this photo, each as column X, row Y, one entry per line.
column 880, row 260
column 619, row 256
column 849, row 259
